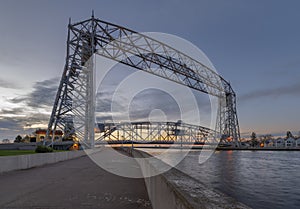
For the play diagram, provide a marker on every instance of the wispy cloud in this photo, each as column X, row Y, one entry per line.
column 291, row 90
column 12, row 111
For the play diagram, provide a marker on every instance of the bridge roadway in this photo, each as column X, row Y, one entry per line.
column 77, row 183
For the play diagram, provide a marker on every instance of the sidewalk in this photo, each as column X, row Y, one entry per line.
column 77, row 183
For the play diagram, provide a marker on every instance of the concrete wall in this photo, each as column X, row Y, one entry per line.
column 176, row 190
column 18, row 146
column 10, row 163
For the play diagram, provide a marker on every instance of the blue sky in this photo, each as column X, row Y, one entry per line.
column 253, row 44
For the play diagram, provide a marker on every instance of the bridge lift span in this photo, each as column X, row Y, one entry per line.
column 93, row 36
column 156, row 132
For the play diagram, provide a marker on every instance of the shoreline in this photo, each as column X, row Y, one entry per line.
column 207, row 148
column 258, row 149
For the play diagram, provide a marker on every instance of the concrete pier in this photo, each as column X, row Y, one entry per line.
column 80, row 183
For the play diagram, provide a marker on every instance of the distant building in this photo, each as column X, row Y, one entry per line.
column 298, row 142
column 41, row 135
column 270, row 143
column 280, row 143
column 290, row 142
column 29, row 138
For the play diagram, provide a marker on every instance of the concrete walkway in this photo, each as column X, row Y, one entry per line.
column 77, row 183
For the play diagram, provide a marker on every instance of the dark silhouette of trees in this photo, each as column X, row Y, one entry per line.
column 254, row 141
column 289, row 135
column 5, row 141
column 18, row 139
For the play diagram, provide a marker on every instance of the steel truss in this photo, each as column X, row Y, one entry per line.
column 160, row 132
column 73, row 108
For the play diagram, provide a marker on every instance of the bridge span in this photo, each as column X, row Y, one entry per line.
column 155, row 132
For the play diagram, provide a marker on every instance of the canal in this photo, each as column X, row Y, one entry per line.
column 259, row 179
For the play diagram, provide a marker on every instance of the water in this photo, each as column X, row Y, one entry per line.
column 259, row 179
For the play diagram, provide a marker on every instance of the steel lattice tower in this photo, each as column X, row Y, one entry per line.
column 73, row 110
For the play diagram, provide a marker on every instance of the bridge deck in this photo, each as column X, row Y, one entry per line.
column 77, row 183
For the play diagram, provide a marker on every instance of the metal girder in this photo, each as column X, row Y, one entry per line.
column 73, row 100
column 145, row 132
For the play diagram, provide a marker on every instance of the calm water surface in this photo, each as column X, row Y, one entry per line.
column 259, row 179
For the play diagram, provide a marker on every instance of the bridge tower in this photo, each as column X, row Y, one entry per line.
column 74, row 106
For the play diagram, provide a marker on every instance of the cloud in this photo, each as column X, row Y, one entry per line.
column 286, row 68
column 8, row 84
column 30, row 111
column 139, row 108
column 291, row 90
column 17, row 117
column 152, row 99
column 10, row 126
column 17, row 100
column 144, row 103
column 12, row 111
column 43, row 94
column 9, row 123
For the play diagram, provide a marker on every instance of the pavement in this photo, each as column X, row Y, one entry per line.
column 77, row 183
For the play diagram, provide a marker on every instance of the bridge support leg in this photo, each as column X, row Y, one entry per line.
column 90, row 104
column 227, row 121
